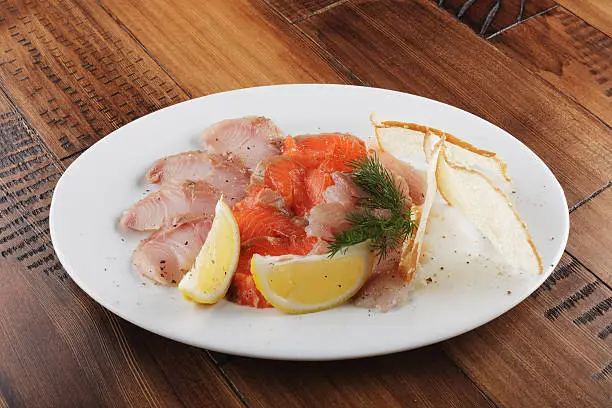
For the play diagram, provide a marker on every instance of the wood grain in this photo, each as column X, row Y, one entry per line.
column 568, row 53
column 486, row 18
column 551, row 350
column 590, row 238
column 296, row 10
column 32, row 351
column 598, row 13
column 406, row 53
column 418, row 378
column 49, row 326
column 218, row 45
column 75, row 73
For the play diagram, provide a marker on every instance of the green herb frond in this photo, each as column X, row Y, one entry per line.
column 378, row 183
column 382, row 217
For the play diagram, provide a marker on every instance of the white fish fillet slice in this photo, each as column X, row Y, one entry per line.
column 172, row 200
column 409, row 179
column 250, row 139
column 329, row 217
column 386, row 288
column 343, row 191
column 221, row 173
column 169, row 253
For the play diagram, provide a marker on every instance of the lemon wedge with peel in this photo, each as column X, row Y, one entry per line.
column 209, row 278
column 303, row 284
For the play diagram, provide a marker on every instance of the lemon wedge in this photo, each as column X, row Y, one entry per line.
column 209, row 278
column 303, row 284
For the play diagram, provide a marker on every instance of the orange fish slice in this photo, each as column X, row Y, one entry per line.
column 266, row 221
column 317, row 180
column 312, row 150
column 286, row 175
column 242, row 289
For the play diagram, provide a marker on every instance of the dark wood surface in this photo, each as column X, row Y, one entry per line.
column 72, row 71
column 295, row 11
column 75, row 73
column 590, row 239
column 571, row 55
column 487, row 17
column 595, row 12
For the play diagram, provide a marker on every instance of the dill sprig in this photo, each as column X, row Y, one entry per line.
column 378, row 183
column 383, row 216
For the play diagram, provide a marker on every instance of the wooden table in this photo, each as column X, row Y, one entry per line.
column 71, row 71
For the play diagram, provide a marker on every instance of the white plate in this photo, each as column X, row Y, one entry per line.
column 109, row 177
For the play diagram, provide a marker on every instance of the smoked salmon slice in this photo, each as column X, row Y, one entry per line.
column 286, row 175
column 267, row 222
column 312, row 150
column 243, row 290
column 317, row 181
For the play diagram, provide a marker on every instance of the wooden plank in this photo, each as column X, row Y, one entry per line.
column 296, row 10
column 406, row 53
column 418, row 378
column 551, row 350
column 218, row 45
column 489, row 16
column 53, row 327
column 597, row 13
column 75, row 73
column 569, row 54
column 590, row 238
column 30, row 344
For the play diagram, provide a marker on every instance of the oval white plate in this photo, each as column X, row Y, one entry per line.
column 108, row 178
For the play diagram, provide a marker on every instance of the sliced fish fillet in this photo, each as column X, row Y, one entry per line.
column 243, row 290
column 343, row 190
column 329, row 217
column 259, row 195
column 337, row 148
column 249, row 139
column 286, row 176
column 268, row 222
column 169, row 252
column 172, row 200
column 317, row 180
column 223, row 174
column 411, row 180
column 386, row 288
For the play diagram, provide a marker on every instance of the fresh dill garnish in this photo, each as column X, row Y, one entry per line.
column 383, row 216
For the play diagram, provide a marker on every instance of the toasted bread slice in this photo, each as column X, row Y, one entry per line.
column 406, row 139
column 490, row 210
column 411, row 250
